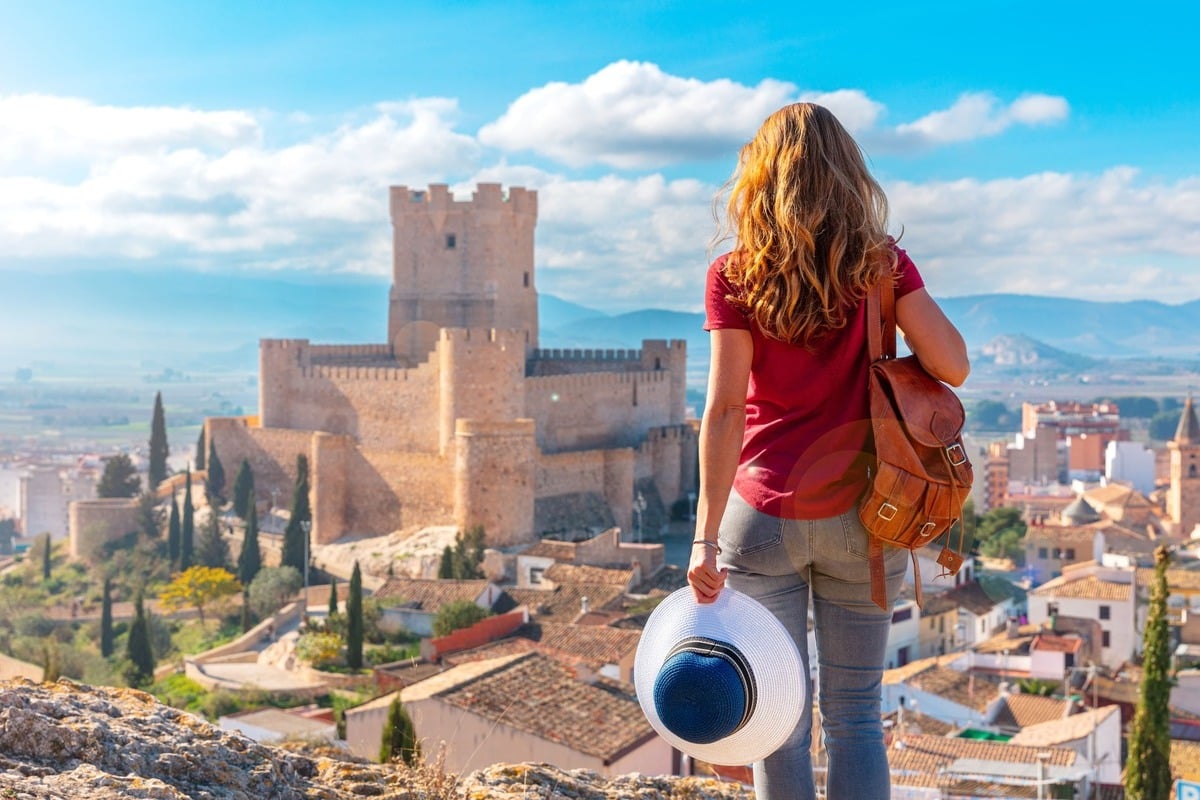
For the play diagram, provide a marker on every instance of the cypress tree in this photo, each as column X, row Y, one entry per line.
column 187, row 530
column 294, row 534
column 174, row 534
column 1148, row 768
column 354, row 621
column 215, row 484
column 333, row 603
column 446, row 566
column 243, row 486
column 201, row 449
column 159, row 449
column 106, row 620
column 212, row 551
column 137, row 649
column 51, row 664
column 399, row 736
column 46, row 556
column 250, row 559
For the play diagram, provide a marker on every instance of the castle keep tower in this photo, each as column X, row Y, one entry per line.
column 1183, row 498
column 461, row 264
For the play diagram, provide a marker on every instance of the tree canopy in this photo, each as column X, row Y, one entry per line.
column 243, row 488
column 159, row 449
column 271, row 588
column 120, row 478
column 458, row 614
column 199, row 587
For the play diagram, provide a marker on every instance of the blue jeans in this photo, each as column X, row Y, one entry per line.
column 778, row 562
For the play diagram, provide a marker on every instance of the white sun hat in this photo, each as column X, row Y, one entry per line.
column 721, row 681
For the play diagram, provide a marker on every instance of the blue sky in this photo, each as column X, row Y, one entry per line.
column 1033, row 148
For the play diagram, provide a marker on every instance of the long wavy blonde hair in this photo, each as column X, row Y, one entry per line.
column 809, row 224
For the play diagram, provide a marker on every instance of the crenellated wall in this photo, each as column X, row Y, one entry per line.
column 555, row 361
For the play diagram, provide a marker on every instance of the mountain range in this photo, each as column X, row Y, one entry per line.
column 203, row 321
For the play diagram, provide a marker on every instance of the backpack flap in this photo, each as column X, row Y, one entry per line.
column 933, row 416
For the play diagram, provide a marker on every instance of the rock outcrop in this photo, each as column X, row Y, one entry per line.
column 65, row 741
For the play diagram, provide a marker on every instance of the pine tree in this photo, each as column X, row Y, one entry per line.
column 174, row 534
column 159, row 449
column 354, row 621
column 250, row 559
column 47, row 554
column 1148, row 768
column 243, row 486
column 333, row 601
column 106, row 620
column 137, row 649
column 201, row 449
column 211, row 549
column 187, row 529
column 294, row 535
column 399, row 736
column 215, row 484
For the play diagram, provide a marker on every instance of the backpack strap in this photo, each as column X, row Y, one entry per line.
column 881, row 343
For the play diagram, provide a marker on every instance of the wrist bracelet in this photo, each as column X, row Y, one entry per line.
column 707, row 543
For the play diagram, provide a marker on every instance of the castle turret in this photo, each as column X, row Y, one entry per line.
column 494, row 475
column 463, row 264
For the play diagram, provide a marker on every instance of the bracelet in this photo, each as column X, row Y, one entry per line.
column 707, row 543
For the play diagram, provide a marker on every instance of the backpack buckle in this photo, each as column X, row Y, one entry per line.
column 927, row 530
column 962, row 454
column 891, row 509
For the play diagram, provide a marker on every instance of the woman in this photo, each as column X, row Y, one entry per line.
column 785, row 437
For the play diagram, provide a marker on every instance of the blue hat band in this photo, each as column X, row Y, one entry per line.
column 705, row 690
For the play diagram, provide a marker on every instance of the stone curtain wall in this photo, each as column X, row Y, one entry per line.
column 608, row 471
column 607, row 409
column 494, row 479
column 271, row 452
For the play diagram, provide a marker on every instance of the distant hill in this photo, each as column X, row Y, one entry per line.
column 1023, row 354
column 122, row 319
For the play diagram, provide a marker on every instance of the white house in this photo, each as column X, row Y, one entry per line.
column 1094, row 734
column 1090, row 591
column 1130, row 462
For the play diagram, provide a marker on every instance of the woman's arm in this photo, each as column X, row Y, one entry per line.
column 932, row 337
column 721, row 433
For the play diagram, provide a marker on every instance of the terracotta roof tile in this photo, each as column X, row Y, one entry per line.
column 427, row 595
column 973, row 691
column 564, row 603
column 579, row 573
column 592, row 643
column 1022, row 710
column 921, row 760
column 550, row 548
column 1186, row 580
column 1086, row 588
column 972, row 597
column 1185, row 760
column 1062, row 730
column 1050, row 643
column 538, row 695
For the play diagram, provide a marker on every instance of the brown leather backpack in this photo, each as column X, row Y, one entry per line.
column 921, row 475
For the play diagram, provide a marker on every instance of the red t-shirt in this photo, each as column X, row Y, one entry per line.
column 807, row 414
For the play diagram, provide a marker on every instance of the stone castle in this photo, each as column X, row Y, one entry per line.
column 460, row 418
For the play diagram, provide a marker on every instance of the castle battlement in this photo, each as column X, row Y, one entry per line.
column 345, row 372
column 438, row 197
column 482, row 336
column 343, row 353
column 557, row 354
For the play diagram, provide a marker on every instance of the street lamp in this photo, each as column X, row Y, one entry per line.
column 306, row 526
column 639, row 506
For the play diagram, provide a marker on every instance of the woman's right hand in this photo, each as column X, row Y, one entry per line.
column 703, row 576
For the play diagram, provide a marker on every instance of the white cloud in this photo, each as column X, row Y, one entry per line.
column 977, row 114
column 632, row 114
column 151, row 186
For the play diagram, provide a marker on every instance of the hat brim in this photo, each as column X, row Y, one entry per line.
column 743, row 622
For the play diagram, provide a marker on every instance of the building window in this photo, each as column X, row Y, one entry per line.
column 1070, row 660
column 941, row 624
column 451, row 241
column 535, row 574
column 1070, row 556
column 526, row 280
column 1105, row 612
column 1058, row 552
column 1042, row 553
column 901, row 615
column 1105, row 640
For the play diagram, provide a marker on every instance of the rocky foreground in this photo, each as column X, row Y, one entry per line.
column 65, row 741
